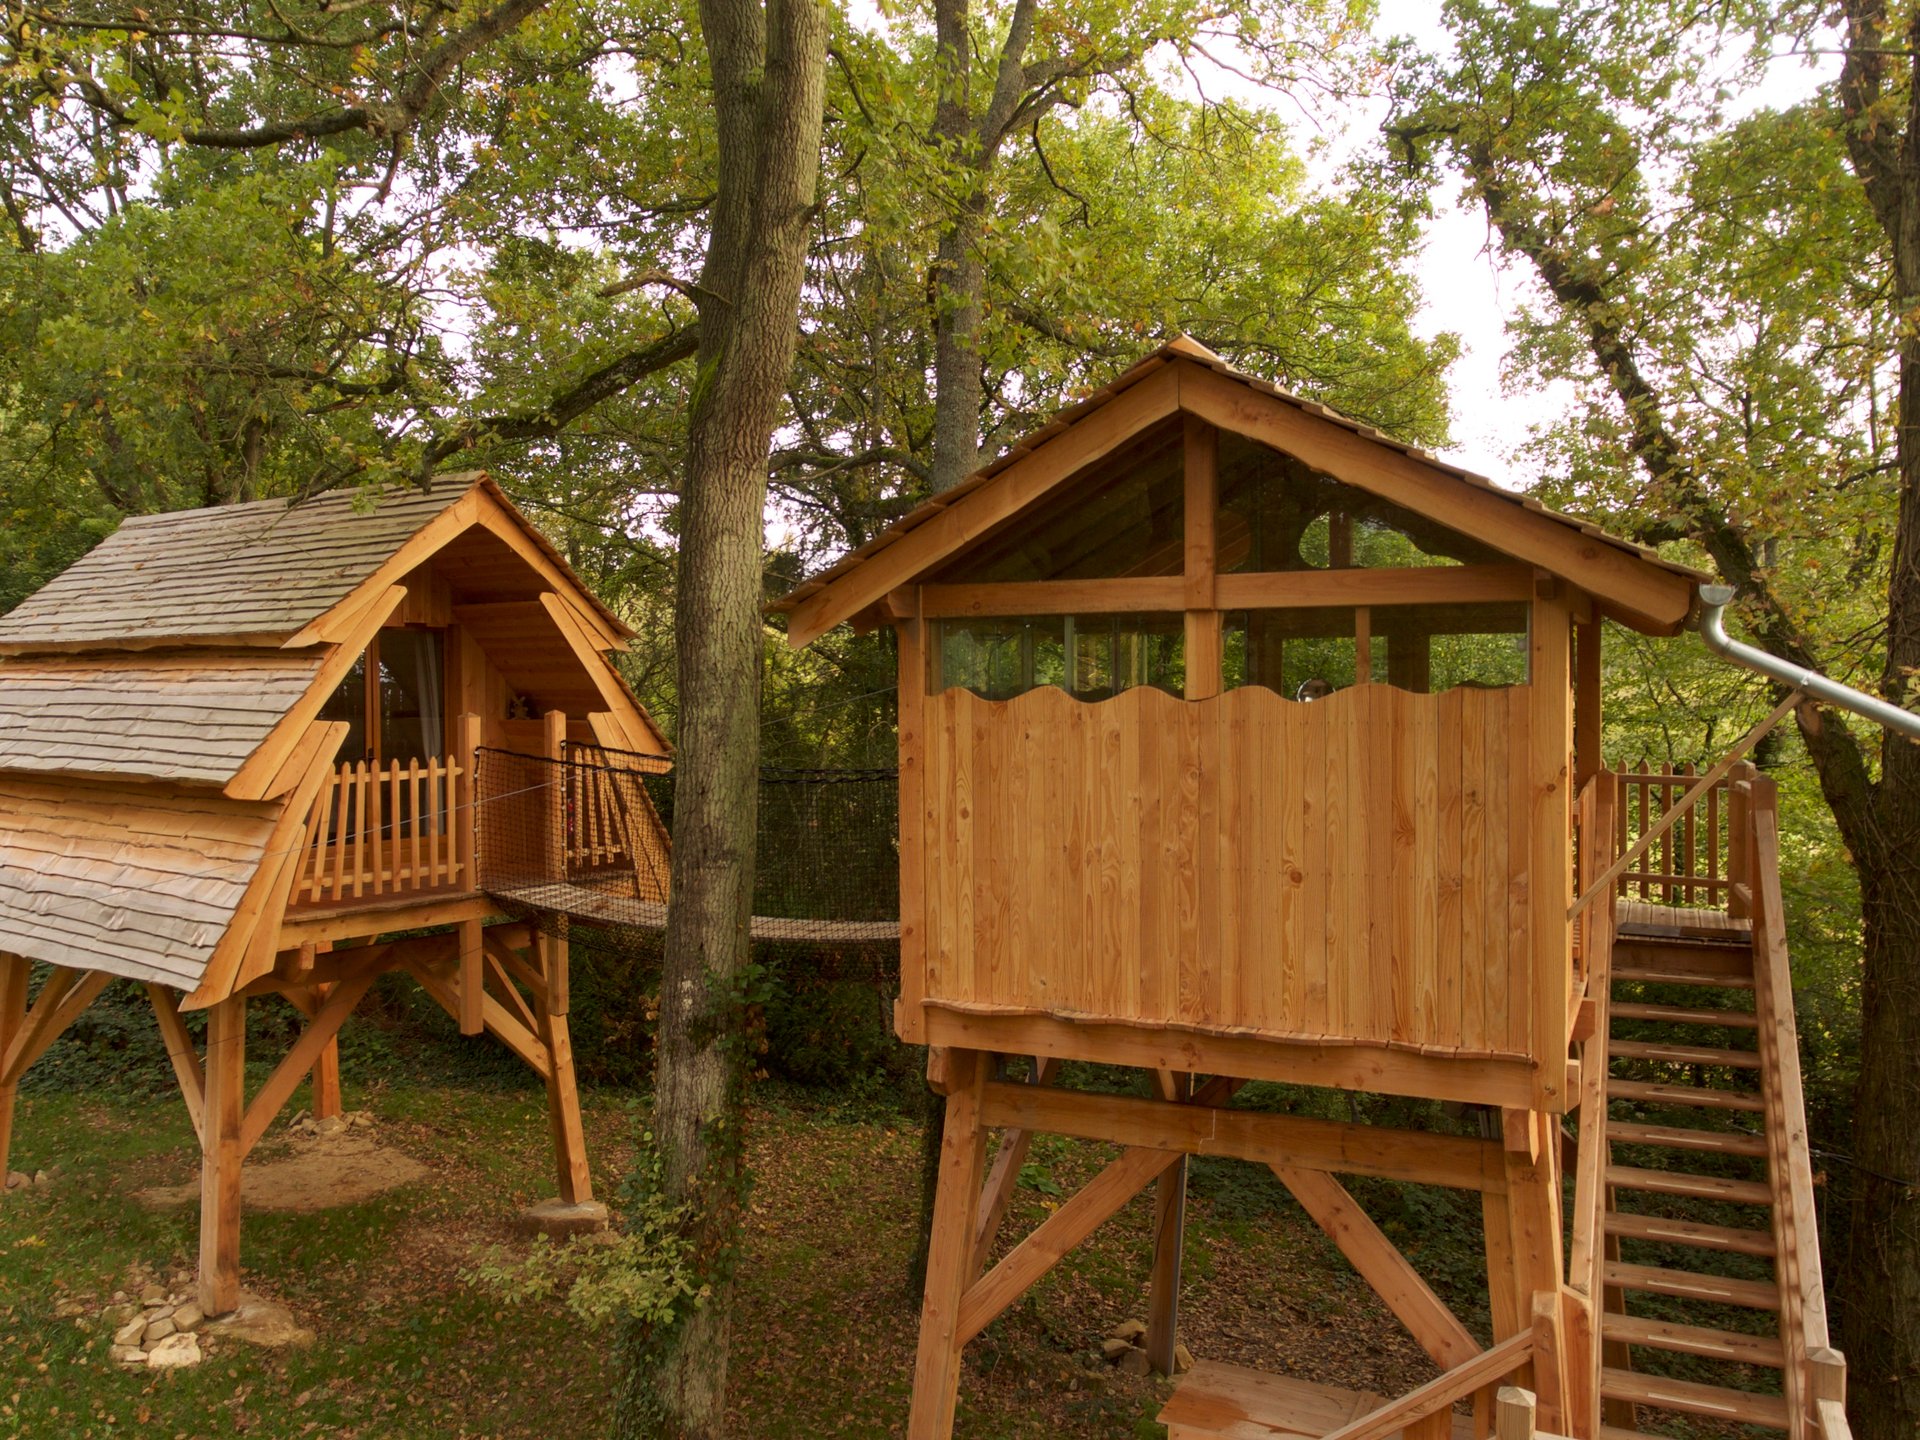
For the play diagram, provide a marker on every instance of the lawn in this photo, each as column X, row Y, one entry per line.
column 823, row 1331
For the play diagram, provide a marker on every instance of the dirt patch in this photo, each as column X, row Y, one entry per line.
column 320, row 1174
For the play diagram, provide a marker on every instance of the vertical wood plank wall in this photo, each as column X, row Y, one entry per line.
column 1351, row 869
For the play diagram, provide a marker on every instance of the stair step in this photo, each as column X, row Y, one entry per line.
column 1657, row 973
column 1727, row 1345
column 1682, row 1054
column 1740, row 1406
column 1685, row 1015
column 1691, row 1285
column 1672, row 1137
column 1653, row 1092
column 1659, row 1229
column 1697, row 1187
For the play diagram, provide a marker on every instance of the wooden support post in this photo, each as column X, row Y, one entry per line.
column 326, row 1066
column 1169, row 1235
column 1202, row 501
column 1587, row 760
column 553, row 952
column 563, row 1094
column 963, row 1153
column 1513, row 1412
column 221, row 1153
column 180, row 1052
column 1532, row 1282
column 471, row 988
column 13, row 1018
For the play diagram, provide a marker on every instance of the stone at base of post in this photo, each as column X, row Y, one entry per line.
column 559, row 1220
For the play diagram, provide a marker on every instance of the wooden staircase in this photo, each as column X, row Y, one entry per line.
column 1695, row 1254
column 1691, row 1321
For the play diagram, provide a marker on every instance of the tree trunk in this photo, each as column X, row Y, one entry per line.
column 768, row 68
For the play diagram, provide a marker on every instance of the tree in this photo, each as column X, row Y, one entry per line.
column 768, row 70
column 1735, row 300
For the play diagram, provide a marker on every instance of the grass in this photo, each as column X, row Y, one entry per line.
column 823, row 1332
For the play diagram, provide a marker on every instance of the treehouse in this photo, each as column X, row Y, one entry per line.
column 246, row 752
column 1241, row 743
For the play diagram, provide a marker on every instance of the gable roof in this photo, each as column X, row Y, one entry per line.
column 249, row 574
column 1631, row 582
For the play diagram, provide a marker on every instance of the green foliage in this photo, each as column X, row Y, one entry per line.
column 641, row 1275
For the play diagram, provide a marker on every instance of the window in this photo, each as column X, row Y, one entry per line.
column 1277, row 513
column 402, row 716
column 1424, row 648
column 1089, row 656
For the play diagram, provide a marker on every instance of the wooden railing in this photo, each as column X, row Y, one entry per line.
column 1815, row 1372
column 382, row 831
column 1694, row 862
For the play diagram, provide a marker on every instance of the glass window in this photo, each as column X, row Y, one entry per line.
column 1301, row 654
column 1124, row 517
column 349, row 703
column 1278, row 513
column 1089, row 656
column 413, row 722
column 404, row 716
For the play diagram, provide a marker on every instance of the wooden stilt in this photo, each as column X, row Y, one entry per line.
column 180, row 1051
column 963, row 1151
column 1532, row 1153
column 470, row 991
column 13, row 1018
column 563, row 1095
column 1169, row 1235
column 221, row 1153
column 325, row 1079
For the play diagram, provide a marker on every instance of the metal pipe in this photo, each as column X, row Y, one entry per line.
column 1714, row 600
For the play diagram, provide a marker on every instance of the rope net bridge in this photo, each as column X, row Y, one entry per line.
column 582, row 839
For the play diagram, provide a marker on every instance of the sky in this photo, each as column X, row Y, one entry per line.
column 1467, row 291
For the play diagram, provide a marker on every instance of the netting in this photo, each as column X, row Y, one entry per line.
column 582, row 840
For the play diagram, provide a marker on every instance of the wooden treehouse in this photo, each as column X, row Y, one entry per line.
column 243, row 749
column 1240, row 743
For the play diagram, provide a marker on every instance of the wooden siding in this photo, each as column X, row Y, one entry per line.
column 134, row 880
column 234, row 571
column 1352, row 870
column 192, row 717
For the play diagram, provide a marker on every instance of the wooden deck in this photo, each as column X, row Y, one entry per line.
column 597, row 907
column 1638, row 919
column 1216, row 1401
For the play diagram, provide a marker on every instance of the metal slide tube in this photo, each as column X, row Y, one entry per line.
column 1714, row 600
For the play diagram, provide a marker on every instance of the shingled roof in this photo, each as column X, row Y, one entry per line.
column 1186, row 349
column 250, row 574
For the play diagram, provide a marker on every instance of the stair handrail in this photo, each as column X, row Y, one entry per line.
column 1812, row 1364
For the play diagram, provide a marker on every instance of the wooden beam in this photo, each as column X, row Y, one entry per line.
column 1201, row 501
column 181, row 1054
column 1473, row 1079
column 299, row 928
column 345, row 620
column 1587, row 760
column 471, row 986
column 221, row 1153
column 255, row 779
column 642, row 736
column 987, row 1298
column 563, row 1111
column 973, row 514
column 913, row 637
column 54, row 1009
column 288, row 1074
column 936, row 1373
column 14, row 974
column 1200, row 1129
column 326, row 1065
column 1513, row 1410
column 1126, row 596
column 1004, row 1178
column 1342, row 589
column 1659, row 600
column 1438, row 1394
column 517, row 1038
column 1435, row 1328
column 1169, row 1240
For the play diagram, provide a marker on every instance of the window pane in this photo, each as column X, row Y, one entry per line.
column 349, row 703
column 1278, row 513
column 1089, row 656
column 1122, row 517
column 412, row 715
column 1301, row 654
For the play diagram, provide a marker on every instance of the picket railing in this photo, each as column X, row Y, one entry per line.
column 377, row 832
column 1694, row 863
